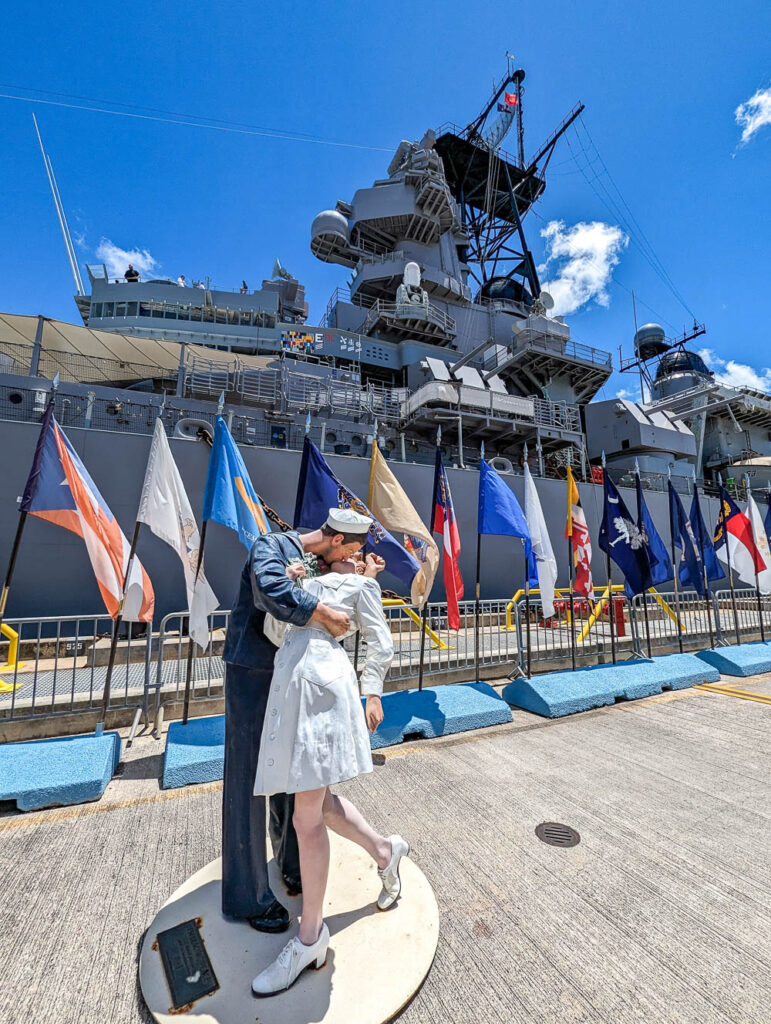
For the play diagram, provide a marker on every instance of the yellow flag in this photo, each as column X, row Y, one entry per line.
column 389, row 504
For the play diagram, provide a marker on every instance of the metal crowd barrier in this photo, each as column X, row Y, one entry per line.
column 748, row 613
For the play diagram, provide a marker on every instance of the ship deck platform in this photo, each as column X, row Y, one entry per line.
column 662, row 912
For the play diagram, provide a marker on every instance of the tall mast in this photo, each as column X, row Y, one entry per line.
column 59, row 206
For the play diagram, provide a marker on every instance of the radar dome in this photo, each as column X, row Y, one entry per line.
column 506, row 288
column 649, row 341
column 330, row 222
column 682, row 361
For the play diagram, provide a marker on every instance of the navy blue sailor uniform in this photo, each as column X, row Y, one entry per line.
column 249, row 655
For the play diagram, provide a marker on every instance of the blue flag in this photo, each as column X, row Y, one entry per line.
column 689, row 570
column 621, row 539
column 658, row 556
column 703, row 538
column 319, row 490
column 499, row 511
column 229, row 497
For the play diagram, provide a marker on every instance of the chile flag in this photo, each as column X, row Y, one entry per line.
column 444, row 522
column 60, row 490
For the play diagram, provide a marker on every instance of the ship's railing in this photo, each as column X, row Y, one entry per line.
column 408, row 311
column 188, row 311
column 78, row 368
column 655, row 481
column 548, row 343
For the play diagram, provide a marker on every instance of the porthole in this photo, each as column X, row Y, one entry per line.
column 15, row 398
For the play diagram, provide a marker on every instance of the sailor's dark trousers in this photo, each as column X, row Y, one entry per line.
column 245, row 889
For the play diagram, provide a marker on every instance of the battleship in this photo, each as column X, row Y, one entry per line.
column 443, row 323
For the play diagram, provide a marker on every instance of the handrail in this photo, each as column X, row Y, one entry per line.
column 13, row 655
column 560, row 591
column 393, row 602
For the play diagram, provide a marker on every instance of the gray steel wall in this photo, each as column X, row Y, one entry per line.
column 53, row 574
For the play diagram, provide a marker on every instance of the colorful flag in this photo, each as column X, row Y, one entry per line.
column 703, row 540
column 658, row 556
column 734, row 542
column 446, row 524
column 580, row 545
column 389, row 504
column 165, row 508
column 761, row 542
column 318, row 490
column 542, row 563
column 60, row 490
column 621, row 539
column 510, row 99
column 229, row 497
column 689, row 570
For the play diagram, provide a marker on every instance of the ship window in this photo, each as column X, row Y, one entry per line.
column 144, row 309
column 170, row 312
column 120, row 308
column 96, row 309
column 183, row 312
column 158, row 310
column 131, row 309
column 109, row 309
column 625, row 444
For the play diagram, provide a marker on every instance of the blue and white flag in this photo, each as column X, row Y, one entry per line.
column 499, row 511
column 658, row 556
column 621, row 539
column 318, row 490
column 229, row 497
column 689, row 570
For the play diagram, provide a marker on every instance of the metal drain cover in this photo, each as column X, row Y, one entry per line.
column 554, row 834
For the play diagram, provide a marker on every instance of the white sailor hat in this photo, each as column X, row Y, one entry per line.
column 345, row 520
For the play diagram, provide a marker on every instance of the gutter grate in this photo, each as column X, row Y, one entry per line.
column 554, row 834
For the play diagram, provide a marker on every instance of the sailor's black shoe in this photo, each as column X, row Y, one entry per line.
column 294, row 886
column 275, row 918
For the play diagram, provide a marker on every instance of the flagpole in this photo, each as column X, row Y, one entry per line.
column 191, row 643
column 571, row 624
column 424, row 616
column 608, row 572
column 476, row 592
column 675, row 571
column 757, row 578
column 638, row 488
column 704, row 570
column 527, row 597
column 728, row 560
column 116, row 629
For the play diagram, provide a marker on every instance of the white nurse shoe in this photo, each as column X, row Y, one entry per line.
column 389, row 876
column 290, row 963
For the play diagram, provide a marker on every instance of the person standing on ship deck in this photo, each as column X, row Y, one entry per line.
column 248, row 656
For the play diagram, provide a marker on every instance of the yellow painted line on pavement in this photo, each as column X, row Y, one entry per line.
column 726, row 691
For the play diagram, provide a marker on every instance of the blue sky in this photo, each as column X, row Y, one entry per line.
column 661, row 83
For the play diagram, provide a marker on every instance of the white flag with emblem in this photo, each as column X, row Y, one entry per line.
column 165, row 508
column 546, row 563
column 761, row 543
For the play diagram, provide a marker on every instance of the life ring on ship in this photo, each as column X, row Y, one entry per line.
column 501, row 464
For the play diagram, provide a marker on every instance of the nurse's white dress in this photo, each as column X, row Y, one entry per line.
column 315, row 733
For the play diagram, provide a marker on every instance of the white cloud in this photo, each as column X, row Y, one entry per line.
column 754, row 114
column 116, row 259
column 583, row 257
column 630, row 394
column 737, row 375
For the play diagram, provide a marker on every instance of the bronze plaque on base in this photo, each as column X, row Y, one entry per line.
column 186, row 964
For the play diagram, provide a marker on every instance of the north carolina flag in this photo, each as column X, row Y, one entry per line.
column 60, row 490
column 229, row 497
column 735, row 543
column 446, row 524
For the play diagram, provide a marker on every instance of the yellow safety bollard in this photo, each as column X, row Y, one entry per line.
column 391, row 602
column 13, row 653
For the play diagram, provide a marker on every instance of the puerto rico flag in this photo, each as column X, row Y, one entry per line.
column 60, row 490
column 446, row 524
column 580, row 544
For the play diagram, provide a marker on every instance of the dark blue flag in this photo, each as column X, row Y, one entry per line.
column 318, row 490
column 689, row 570
column 622, row 540
column 658, row 556
column 703, row 538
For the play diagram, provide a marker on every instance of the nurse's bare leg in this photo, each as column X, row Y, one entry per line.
column 313, row 841
column 342, row 817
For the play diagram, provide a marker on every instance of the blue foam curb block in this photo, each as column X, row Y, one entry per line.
column 58, row 772
column 195, row 752
column 739, row 660
column 438, row 711
column 554, row 694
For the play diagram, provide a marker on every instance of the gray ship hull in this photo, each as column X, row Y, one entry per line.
column 53, row 575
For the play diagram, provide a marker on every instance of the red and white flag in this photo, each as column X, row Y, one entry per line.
column 580, row 544
column 446, row 524
column 734, row 542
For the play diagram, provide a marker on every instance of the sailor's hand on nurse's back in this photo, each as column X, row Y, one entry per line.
column 333, row 621
column 374, row 564
column 373, row 712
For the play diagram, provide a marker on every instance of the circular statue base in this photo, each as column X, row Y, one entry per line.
column 375, row 964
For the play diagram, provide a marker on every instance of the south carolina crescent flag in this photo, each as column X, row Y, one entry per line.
column 60, row 490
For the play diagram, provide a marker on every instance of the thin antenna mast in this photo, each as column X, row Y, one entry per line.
column 60, row 214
